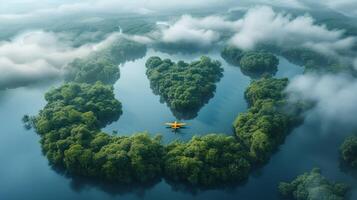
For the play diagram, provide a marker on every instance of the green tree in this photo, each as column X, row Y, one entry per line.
column 348, row 151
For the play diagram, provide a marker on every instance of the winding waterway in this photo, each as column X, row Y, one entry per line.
column 25, row 173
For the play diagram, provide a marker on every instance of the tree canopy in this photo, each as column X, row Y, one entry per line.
column 185, row 87
column 258, row 63
column 252, row 63
column 97, row 98
column 348, row 151
column 209, row 160
column 264, row 126
column 69, row 127
column 312, row 186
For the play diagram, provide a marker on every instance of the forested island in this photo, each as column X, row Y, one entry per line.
column 266, row 123
column 102, row 65
column 348, row 151
column 311, row 186
column 252, row 63
column 185, row 87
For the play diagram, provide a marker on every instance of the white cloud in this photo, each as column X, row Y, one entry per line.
column 335, row 96
column 66, row 7
column 202, row 32
column 263, row 24
column 37, row 56
column 260, row 24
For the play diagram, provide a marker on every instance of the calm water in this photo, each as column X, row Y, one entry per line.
column 25, row 174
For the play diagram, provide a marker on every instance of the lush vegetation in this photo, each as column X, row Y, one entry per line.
column 102, row 65
column 210, row 160
column 252, row 63
column 257, row 63
column 264, row 126
column 70, row 123
column 311, row 186
column 69, row 127
column 185, row 87
column 348, row 151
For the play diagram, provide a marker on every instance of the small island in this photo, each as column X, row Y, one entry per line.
column 348, row 151
column 102, row 65
column 312, row 185
column 258, row 63
column 185, row 87
column 254, row 64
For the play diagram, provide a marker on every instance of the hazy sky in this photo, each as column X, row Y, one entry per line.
column 35, row 7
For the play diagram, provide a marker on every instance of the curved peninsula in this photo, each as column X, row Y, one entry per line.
column 69, row 126
column 185, row 87
column 266, row 123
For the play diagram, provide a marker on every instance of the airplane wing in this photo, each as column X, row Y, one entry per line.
column 168, row 124
column 181, row 124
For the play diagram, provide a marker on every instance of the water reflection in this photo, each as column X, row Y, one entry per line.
column 80, row 184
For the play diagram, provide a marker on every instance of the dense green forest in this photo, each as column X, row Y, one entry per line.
column 258, row 63
column 69, row 127
column 348, row 151
column 102, row 65
column 185, row 87
column 252, row 63
column 209, row 160
column 264, row 126
column 311, row 186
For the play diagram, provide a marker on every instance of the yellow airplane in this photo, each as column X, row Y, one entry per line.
column 176, row 125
